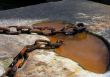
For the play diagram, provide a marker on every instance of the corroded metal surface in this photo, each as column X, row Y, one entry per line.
column 89, row 50
column 78, row 44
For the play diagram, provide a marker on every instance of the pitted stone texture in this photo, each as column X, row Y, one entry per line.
column 48, row 64
column 12, row 44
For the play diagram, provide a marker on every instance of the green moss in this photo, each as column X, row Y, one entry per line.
column 6, row 62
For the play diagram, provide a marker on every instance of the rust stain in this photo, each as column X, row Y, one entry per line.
column 57, row 25
column 19, row 63
column 86, row 49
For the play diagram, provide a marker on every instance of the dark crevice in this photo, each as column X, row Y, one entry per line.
column 102, row 1
column 10, row 4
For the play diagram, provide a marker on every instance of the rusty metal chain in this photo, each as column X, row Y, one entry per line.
column 16, row 30
column 20, row 59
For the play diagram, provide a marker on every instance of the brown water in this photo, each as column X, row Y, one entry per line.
column 88, row 50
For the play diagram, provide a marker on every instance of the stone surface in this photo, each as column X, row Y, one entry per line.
column 67, row 10
column 41, row 63
column 45, row 63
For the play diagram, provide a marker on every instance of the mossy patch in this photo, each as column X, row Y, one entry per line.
column 6, row 62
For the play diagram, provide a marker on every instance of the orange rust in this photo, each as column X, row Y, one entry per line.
column 19, row 62
column 57, row 25
column 86, row 49
column 23, row 50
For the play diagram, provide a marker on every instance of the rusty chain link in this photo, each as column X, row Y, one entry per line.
column 20, row 59
column 15, row 30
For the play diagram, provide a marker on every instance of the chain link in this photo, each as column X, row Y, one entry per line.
column 20, row 59
column 67, row 29
column 3, row 30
